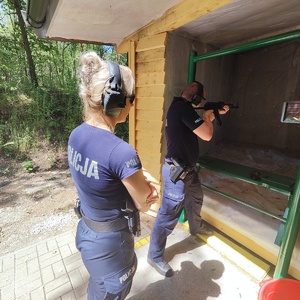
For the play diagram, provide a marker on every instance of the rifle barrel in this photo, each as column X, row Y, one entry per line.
column 231, row 105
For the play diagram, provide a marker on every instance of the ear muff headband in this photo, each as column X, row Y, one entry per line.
column 200, row 89
column 196, row 99
column 113, row 98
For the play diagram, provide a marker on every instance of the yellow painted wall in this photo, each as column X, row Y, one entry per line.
column 146, row 50
column 147, row 61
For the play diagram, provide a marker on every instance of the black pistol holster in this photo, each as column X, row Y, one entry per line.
column 178, row 170
column 133, row 215
column 130, row 213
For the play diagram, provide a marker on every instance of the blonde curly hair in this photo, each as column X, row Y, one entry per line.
column 94, row 79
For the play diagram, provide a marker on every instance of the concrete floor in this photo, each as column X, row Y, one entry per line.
column 205, row 269
column 201, row 273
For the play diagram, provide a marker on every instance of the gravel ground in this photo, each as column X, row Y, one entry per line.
column 34, row 206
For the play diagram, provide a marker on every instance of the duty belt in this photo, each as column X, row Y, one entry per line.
column 178, row 171
column 108, row 226
column 170, row 164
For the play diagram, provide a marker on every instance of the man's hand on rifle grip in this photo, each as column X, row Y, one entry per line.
column 224, row 110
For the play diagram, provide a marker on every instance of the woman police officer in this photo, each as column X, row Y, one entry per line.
column 106, row 171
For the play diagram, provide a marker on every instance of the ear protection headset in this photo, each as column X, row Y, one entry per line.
column 113, row 98
column 196, row 99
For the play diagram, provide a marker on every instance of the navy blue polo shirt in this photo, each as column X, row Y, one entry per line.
column 182, row 142
column 99, row 161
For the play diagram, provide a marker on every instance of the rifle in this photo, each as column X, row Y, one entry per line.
column 215, row 106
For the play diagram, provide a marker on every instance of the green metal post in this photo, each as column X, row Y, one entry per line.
column 252, row 45
column 191, row 77
column 191, row 67
column 290, row 232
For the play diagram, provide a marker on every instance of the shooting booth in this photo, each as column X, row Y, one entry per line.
column 250, row 169
column 288, row 208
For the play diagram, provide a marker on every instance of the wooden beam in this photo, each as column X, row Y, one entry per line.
column 147, row 79
column 152, row 103
column 179, row 15
column 153, row 55
column 151, row 42
column 153, row 169
column 132, row 113
column 125, row 47
column 148, row 161
column 151, row 91
column 149, row 146
column 149, row 126
column 151, row 67
column 148, row 115
column 156, row 136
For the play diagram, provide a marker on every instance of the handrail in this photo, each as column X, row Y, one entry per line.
column 292, row 35
column 266, row 212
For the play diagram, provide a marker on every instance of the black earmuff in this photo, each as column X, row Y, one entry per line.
column 113, row 98
column 196, row 99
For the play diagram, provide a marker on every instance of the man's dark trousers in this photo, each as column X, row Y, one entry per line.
column 184, row 194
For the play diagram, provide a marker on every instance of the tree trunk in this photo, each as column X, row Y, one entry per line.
column 26, row 44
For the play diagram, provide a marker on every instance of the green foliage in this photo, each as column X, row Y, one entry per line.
column 121, row 131
column 28, row 166
column 30, row 114
column 4, row 171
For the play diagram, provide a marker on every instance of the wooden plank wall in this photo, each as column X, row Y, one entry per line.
column 149, row 105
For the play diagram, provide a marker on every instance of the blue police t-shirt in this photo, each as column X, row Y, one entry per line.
column 98, row 161
column 182, row 142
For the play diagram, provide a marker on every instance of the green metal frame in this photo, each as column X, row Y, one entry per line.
column 290, row 220
column 278, row 183
column 193, row 59
column 293, row 211
column 290, row 233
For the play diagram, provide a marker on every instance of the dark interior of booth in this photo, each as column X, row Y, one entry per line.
column 262, row 135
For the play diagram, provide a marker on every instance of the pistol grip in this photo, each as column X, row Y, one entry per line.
column 217, row 116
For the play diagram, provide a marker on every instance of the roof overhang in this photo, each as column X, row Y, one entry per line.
column 104, row 22
column 221, row 23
